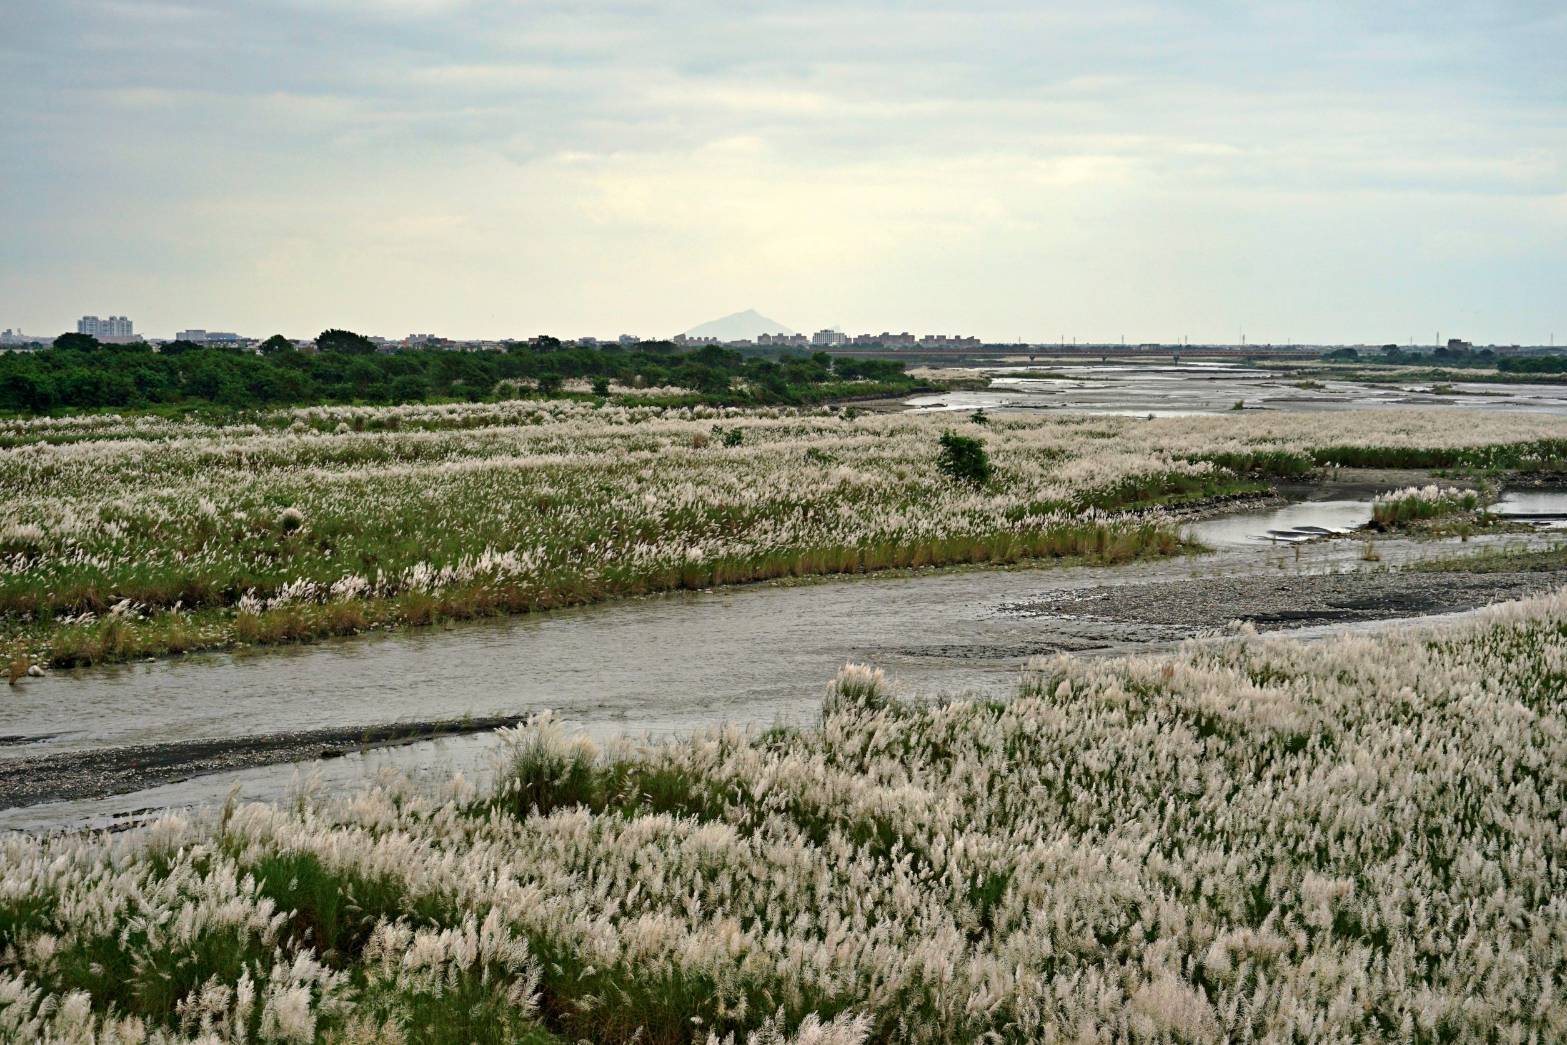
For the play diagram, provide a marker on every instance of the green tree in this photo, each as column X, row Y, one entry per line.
column 79, row 342
column 27, row 392
column 366, row 379
column 408, row 388
column 702, row 378
column 275, row 344
column 964, row 458
column 344, row 341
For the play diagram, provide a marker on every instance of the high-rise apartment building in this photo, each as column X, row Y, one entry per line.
column 114, row 326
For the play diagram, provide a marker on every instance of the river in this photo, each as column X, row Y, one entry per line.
column 657, row 666
column 1205, row 387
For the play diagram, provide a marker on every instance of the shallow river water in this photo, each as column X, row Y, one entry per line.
column 1203, row 387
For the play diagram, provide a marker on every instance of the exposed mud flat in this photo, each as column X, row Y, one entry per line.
column 118, row 770
column 1292, row 601
column 1085, row 637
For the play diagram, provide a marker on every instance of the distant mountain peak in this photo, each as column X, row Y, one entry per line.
column 740, row 326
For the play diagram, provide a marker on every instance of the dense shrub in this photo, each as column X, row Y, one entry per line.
column 963, row 458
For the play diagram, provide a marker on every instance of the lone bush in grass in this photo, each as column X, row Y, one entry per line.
column 290, row 519
column 963, row 458
column 1403, row 507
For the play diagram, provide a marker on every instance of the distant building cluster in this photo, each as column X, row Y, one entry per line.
column 120, row 329
column 16, row 339
column 886, row 339
column 830, row 338
column 210, row 337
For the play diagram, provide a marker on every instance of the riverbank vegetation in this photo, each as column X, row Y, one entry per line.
column 1485, row 361
column 129, row 537
column 1358, row 839
column 1439, row 372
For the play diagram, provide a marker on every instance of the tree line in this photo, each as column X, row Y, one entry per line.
column 78, row 372
column 1455, row 356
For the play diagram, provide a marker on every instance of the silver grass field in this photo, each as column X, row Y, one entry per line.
column 1254, row 839
column 124, row 538
column 1359, row 839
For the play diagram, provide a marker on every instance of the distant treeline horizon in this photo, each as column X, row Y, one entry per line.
column 81, row 373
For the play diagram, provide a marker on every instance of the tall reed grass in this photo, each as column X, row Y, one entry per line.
column 127, row 537
column 1359, row 839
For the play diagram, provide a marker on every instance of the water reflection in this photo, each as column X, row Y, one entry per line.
column 1250, row 527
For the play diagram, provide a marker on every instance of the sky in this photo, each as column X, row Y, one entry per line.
column 1294, row 172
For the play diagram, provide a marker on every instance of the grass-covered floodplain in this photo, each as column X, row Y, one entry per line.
column 133, row 536
column 1550, row 559
column 1361, row 839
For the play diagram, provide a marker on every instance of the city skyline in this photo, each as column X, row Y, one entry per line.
column 1029, row 171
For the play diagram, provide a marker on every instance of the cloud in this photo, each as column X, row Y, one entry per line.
column 830, row 155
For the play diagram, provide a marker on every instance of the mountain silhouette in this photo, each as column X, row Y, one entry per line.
column 741, row 326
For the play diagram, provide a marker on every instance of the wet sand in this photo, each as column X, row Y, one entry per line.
column 119, row 770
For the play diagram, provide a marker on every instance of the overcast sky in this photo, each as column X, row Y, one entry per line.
column 1311, row 171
